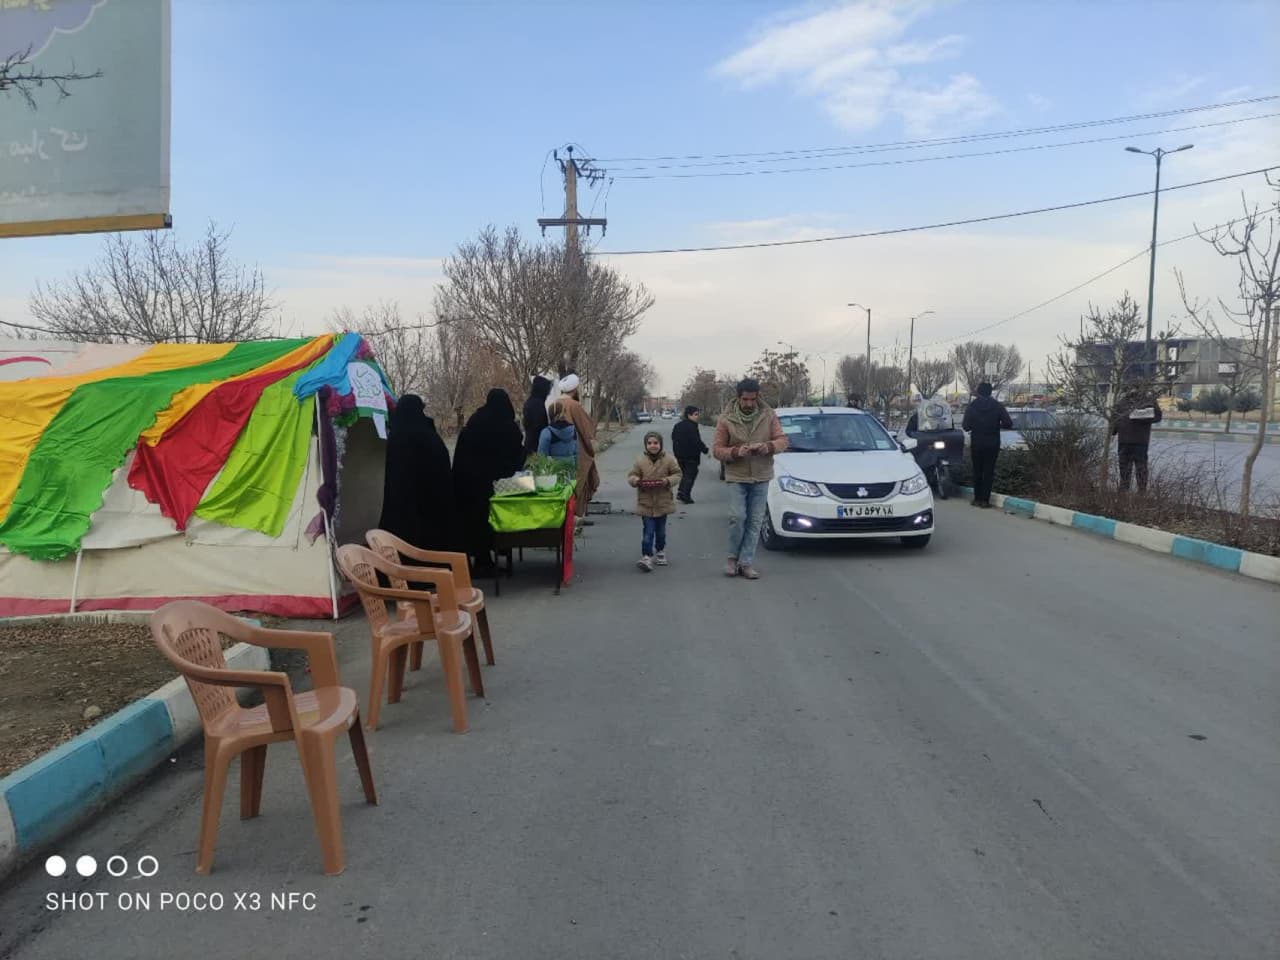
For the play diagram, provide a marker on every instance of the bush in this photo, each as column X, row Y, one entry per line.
column 1248, row 401
column 1185, row 404
column 1215, row 401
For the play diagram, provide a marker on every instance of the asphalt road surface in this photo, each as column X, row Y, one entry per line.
column 1222, row 465
column 1020, row 742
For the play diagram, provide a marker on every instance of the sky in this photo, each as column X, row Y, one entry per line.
column 351, row 146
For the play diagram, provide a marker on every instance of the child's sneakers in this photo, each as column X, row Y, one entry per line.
column 660, row 558
column 645, row 564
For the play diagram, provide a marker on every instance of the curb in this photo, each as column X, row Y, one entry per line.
column 1257, row 566
column 43, row 800
column 1212, row 436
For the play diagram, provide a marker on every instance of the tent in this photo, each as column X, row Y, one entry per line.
column 134, row 474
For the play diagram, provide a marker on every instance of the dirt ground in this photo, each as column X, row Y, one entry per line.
column 51, row 673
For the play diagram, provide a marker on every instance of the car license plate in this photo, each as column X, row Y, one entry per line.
column 869, row 510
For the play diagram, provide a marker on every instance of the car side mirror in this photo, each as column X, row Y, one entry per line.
column 909, row 444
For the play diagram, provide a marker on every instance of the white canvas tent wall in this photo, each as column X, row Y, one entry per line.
column 133, row 558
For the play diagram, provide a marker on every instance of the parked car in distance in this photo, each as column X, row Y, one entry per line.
column 642, row 416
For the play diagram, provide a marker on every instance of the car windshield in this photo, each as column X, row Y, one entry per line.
column 833, row 432
column 1031, row 419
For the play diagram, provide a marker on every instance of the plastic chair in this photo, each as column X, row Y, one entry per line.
column 471, row 599
column 187, row 633
column 436, row 617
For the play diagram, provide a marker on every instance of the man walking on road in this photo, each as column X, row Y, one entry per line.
column 687, row 445
column 747, row 437
column 983, row 421
column 1132, row 424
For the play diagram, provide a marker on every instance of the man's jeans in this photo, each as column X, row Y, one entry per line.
column 655, row 536
column 746, row 514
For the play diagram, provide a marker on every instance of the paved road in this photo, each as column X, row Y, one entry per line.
column 1020, row 742
column 1224, row 461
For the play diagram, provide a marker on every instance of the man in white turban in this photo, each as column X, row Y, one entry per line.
column 588, row 481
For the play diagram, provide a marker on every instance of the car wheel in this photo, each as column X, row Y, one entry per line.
column 916, row 543
column 769, row 537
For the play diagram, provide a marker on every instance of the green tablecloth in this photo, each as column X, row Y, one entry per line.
column 530, row 511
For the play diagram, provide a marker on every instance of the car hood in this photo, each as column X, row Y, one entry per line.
column 871, row 466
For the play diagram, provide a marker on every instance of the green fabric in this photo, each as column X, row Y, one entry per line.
column 73, row 462
column 530, row 511
column 257, row 485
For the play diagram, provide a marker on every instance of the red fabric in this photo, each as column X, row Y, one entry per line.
column 176, row 472
column 568, row 542
column 305, row 608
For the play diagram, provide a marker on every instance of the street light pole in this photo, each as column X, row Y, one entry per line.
column 911, row 343
column 867, row 396
column 1159, row 154
column 791, row 350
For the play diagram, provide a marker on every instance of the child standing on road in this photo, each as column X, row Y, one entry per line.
column 654, row 475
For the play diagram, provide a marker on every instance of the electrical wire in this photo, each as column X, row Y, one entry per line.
column 943, row 141
column 948, row 156
column 940, row 225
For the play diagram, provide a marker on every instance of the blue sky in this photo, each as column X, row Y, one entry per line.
column 351, row 146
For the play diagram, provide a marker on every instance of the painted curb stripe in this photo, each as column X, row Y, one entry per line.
column 1212, row 554
column 1018, row 505
column 40, row 801
column 1102, row 526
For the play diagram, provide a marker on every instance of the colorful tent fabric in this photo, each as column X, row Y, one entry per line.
column 192, row 412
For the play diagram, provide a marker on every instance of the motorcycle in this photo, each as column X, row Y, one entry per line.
column 939, row 451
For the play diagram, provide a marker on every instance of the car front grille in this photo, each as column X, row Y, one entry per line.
column 849, row 491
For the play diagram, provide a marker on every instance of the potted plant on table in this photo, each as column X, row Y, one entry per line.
column 548, row 472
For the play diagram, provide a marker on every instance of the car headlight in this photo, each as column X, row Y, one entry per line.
column 939, row 444
column 915, row 484
column 801, row 488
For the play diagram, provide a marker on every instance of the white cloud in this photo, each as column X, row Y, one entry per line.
column 854, row 59
column 1038, row 103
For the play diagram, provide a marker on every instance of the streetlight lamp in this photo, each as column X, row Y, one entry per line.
column 1159, row 154
column 911, row 343
column 867, row 396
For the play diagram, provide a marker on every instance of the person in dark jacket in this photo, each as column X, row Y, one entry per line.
column 1132, row 423
column 559, row 438
column 417, row 488
column 688, row 448
column 488, row 449
column 535, row 413
column 983, row 421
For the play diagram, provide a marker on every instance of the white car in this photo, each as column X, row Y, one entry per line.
column 844, row 476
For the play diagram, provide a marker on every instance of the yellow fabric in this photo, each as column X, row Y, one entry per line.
column 28, row 406
column 185, row 400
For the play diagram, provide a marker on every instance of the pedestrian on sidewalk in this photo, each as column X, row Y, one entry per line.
column 983, row 421
column 687, row 445
column 1132, row 423
column 654, row 474
column 747, row 437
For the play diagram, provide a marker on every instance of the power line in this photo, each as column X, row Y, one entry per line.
column 937, row 226
column 943, row 141
column 909, row 160
column 1080, row 286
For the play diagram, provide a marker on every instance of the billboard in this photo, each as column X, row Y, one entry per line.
column 96, row 158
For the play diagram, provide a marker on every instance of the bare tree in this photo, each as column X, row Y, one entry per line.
column 625, row 381
column 535, row 309
column 1254, row 241
column 402, row 350
column 1109, row 362
column 708, row 391
column 783, row 376
column 151, row 290
column 932, row 375
column 971, row 359
column 18, row 75
column 887, row 380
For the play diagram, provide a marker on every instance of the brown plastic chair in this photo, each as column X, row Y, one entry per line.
column 187, row 633
column 436, row 617
column 470, row 598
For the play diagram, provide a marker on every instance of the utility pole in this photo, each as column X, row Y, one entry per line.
column 572, row 169
column 867, row 400
column 911, row 343
column 571, row 221
column 1159, row 155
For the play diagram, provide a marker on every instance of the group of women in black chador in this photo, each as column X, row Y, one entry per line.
column 434, row 506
